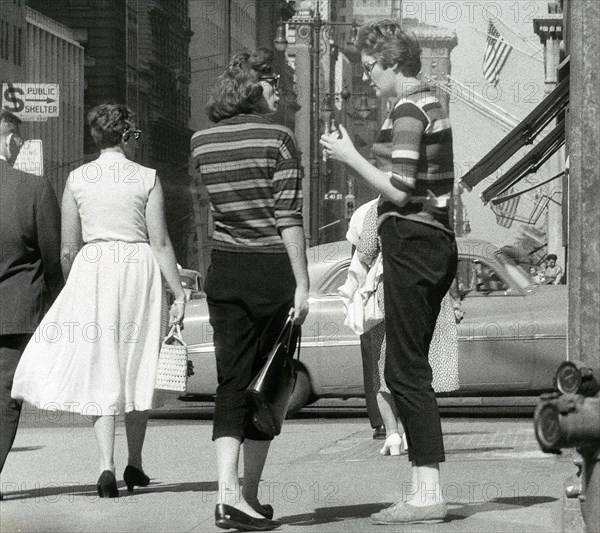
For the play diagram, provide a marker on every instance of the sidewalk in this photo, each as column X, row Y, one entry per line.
column 322, row 475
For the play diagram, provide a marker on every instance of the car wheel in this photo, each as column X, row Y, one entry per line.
column 302, row 394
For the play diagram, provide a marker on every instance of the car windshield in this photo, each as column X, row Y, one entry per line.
column 516, row 272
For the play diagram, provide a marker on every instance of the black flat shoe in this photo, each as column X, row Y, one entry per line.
column 133, row 476
column 107, row 485
column 379, row 433
column 265, row 510
column 228, row 517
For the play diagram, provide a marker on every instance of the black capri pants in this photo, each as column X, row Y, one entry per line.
column 249, row 298
column 419, row 264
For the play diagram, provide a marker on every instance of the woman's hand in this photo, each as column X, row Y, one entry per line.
column 338, row 145
column 300, row 309
column 177, row 313
column 459, row 312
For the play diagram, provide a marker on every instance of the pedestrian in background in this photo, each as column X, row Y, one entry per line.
column 415, row 176
column 553, row 273
column 366, row 341
column 251, row 170
column 96, row 350
column 443, row 350
column 30, row 274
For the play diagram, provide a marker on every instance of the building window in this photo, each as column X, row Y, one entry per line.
column 4, row 27
column 15, row 48
column 20, row 47
column 1, row 39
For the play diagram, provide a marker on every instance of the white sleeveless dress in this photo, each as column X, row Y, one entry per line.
column 96, row 350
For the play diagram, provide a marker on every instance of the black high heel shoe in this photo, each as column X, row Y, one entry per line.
column 133, row 476
column 107, row 485
column 228, row 517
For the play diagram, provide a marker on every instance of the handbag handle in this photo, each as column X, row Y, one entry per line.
column 292, row 328
column 175, row 333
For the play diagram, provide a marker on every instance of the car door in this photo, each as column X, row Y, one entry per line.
column 331, row 350
column 496, row 336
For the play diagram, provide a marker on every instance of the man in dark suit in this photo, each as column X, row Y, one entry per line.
column 30, row 273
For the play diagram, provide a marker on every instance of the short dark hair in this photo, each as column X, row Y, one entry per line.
column 390, row 45
column 108, row 122
column 9, row 122
column 238, row 90
column 551, row 257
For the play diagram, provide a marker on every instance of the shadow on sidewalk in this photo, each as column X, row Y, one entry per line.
column 328, row 515
column 55, row 492
column 17, row 449
column 481, row 449
column 448, row 433
column 497, row 504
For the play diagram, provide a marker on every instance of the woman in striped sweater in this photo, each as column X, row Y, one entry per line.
column 414, row 175
column 250, row 168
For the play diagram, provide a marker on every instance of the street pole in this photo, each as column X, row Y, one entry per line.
column 570, row 418
column 312, row 184
column 315, row 166
column 584, row 223
column 228, row 31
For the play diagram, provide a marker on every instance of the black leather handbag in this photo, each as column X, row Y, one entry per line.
column 269, row 394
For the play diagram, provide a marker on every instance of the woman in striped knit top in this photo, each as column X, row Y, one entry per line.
column 414, row 175
column 258, row 272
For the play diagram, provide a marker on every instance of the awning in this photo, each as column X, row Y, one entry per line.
column 506, row 197
column 546, row 148
column 524, row 133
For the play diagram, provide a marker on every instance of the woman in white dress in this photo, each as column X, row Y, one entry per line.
column 96, row 350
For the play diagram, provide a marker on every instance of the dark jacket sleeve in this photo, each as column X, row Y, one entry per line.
column 47, row 219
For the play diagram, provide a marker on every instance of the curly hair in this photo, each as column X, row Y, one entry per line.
column 390, row 45
column 238, row 90
column 8, row 122
column 108, row 122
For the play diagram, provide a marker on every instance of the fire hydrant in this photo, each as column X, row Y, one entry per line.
column 570, row 418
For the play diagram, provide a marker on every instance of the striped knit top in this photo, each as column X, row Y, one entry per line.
column 250, row 168
column 415, row 147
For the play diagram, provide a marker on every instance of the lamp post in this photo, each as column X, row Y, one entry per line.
column 363, row 110
column 315, row 25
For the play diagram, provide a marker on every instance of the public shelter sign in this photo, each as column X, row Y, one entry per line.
column 31, row 101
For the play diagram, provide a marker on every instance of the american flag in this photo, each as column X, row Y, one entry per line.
column 495, row 55
column 506, row 211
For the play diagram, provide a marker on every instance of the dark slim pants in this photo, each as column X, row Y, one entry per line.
column 11, row 348
column 249, row 297
column 366, row 351
column 419, row 264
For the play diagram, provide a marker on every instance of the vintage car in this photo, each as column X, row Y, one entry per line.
column 192, row 283
column 511, row 340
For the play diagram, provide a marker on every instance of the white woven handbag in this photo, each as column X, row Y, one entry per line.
column 172, row 370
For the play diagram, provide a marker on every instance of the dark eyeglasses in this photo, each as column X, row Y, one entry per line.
column 368, row 68
column 131, row 133
column 272, row 80
column 19, row 141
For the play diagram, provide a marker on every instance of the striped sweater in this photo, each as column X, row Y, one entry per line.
column 250, row 168
column 415, row 147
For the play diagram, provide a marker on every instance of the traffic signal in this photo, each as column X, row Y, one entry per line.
column 349, row 203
